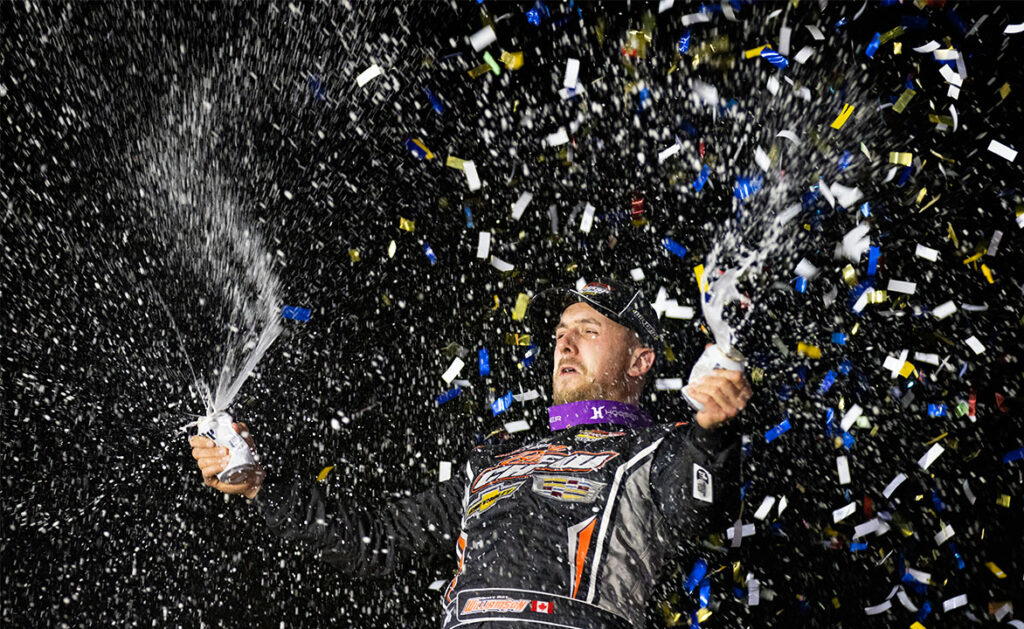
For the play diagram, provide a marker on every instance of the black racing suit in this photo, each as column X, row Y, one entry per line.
column 567, row 531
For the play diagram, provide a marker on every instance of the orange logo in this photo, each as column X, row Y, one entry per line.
column 497, row 604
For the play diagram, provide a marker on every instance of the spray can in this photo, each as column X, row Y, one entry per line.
column 241, row 465
column 714, row 357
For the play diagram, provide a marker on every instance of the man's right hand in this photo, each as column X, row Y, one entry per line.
column 213, row 458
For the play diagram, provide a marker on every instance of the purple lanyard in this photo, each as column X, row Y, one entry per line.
column 597, row 412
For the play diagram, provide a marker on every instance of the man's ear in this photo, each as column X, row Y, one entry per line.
column 641, row 362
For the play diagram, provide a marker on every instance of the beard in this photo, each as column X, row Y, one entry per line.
column 577, row 392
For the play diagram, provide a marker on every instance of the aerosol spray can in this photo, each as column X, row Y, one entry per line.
column 714, row 357
column 242, row 463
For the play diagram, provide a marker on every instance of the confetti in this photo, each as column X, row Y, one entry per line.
column 674, row 247
column 322, row 476
column 843, row 115
column 572, row 72
column 587, row 220
column 929, row 457
column 777, row 431
column 1002, row 150
column 449, row 395
column 406, row 224
column 483, row 38
column 520, row 205
column 472, row 179
column 429, row 253
column 844, row 512
column 557, row 138
column 295, row 313
column 484, row 362
column 522, row 301
column 483, row 246
column 453, row 370
column 368, row 75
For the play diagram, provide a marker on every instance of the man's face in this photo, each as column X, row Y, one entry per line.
column 593, row 355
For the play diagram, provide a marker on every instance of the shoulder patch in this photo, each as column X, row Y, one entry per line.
column 702, row 487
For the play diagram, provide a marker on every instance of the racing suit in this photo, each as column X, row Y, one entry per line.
column 570, row 530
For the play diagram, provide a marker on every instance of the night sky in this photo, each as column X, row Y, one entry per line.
column 168, row 166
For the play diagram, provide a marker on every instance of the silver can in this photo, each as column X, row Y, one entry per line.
column 242, row 463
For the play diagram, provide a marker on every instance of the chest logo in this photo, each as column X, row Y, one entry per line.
column 554, row 458
column 702, row 489
column 567, row 488
column 596, row 435
column 489, row 498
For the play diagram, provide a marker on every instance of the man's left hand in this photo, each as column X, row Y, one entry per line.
column 723, row 394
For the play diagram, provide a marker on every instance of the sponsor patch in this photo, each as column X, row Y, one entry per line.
column 596, row 288
column 567, row 488
column 554, row 458
column 702, row 489
column 489, row 498
column 596, row 435
column 541, row 607
column 501, row 604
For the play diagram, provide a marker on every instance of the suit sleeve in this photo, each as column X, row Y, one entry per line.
column 695, row 479
column 358, row 540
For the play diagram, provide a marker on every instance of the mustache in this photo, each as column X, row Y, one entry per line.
column 570, row 363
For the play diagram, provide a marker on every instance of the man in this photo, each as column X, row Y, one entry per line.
column 570, row 530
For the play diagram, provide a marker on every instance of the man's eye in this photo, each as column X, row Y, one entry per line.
column 591, row 331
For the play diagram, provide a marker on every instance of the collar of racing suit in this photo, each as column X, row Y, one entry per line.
column 597, row 412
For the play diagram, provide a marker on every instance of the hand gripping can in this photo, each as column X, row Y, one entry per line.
column 712, row 358
column 242, row 463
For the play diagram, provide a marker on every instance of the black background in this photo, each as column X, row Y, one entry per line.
column 105, row 519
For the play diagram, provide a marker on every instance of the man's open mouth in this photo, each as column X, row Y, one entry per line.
column 568, row 369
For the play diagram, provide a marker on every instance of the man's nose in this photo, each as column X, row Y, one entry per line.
column 566, row 344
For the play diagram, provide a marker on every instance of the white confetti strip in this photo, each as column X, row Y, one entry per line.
column 806, row 270
column 815, row 32
column 453, row 370
column 1013, row 29
column 927, row 253
column 905, row 601
column 851, row 416
column 637, row 274
column 862, row 301
column 557, row 138
column 971, row 498
column 783, row 503
column 665, row 5
column 804, row 54
column 878, row 609
column 846, row 196
column 993, row 245
column 785, row 34
column 789, row 135
column 501, row 265
column 483, row 245
column 920, row 576
column 975, row 345
column 773, row 85
column 520, row 205
column 942, row 536
column 437, row 585
column 753, row 592
column 1002, row 150
column 532, row 394
column 866, row 528
column 842, row 513
column 668, row 384
column 944, row 310
column 931, row 46
column 572, row 73
column 696, row 18
column 761, row 159
column 893, row 484
column 368, row 75
column 444, row 471
column 518, row 425
column 669, row 152
column 931, row 359
column 588, row 219
column 471, row 177
column 929, row 457
column 956, row 118
column 900, row 286
column 953, row 603
column 483, row 38
column 843, row 467
column 766, row 506
column 747, row 531
column 951, row 77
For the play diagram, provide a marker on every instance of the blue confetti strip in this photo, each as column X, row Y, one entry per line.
column 845, row 366
column 448, row 396
column 774, row 58
column 827, row 382
column 839, row 338
column 848, row 440
column 1013, row 455
column 434, row 101
column 936, row 410
column 430, row 253
column 855, row 546
column 873, row 254
column 746, row 186
column 801, row 285
column 830, row 419
column 873, row 45
column 416, row 150
column 904, row 176
column 674, row 247
column 705, row 593
column 702, row 178
column 865, row 209
column 316, row 86
column 700, row 568
column 295, row 313
column 484, row 361
column 531, row 355
column 777, row 431
column 501, row 404
column 925, row 609
column 533, row 17
column 684, row 42
column 845, row 160
column 469, row 217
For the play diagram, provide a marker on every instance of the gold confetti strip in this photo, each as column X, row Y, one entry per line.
column 1003, row 500
column 353, row 255
column 988, row 273
column 1004, row 91
column 423, row 146
column 849, row 275
column 454, row 162
column 754, row 52
column 903, row 100
column 479, row 71
column 877, row 297
column 995, row 570
column 890, row 35
column 407, row 224
column 906, row 159
column 512, row 60
column 519, row 311
column 937, row 439
column 897, row 48
column 699, row 272
column 324, row 472
column 811, row 351
column 521, row 340
column 843, row 115
column 907, row 369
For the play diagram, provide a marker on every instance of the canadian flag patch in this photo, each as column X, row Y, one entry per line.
column 541, row 607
